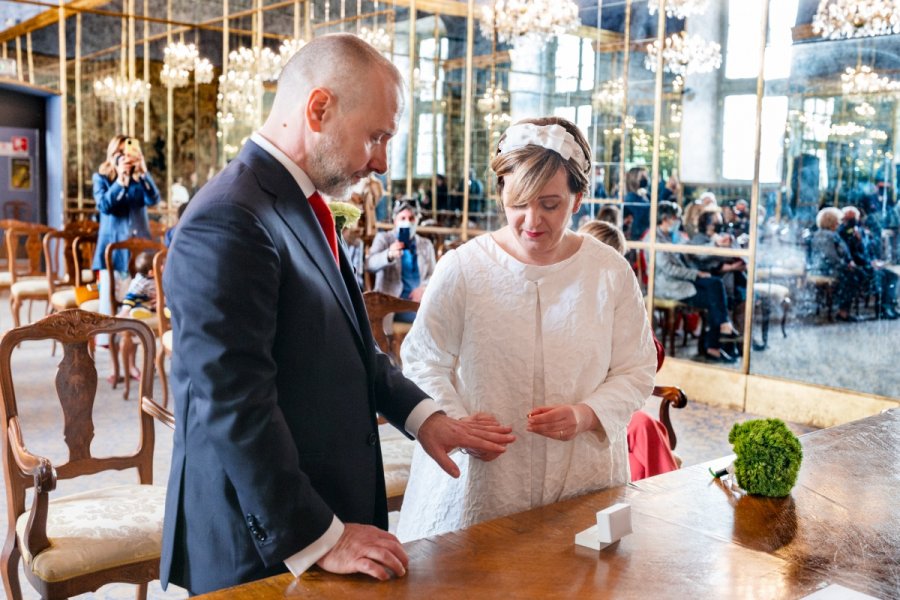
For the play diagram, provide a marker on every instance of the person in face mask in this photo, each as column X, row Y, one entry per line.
column 676, row 280
column 401, row 260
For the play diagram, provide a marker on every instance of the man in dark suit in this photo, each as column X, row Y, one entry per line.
column 276, row 462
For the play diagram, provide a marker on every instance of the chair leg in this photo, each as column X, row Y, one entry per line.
column 141, row 592
column 161, row 369
column 9, row 565
column 785, row 307
column 14, row 305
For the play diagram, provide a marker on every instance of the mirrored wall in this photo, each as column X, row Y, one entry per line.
column 720, row 131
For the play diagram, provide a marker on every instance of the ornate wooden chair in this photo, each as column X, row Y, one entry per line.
column 378, row 306
column 164, row 325
column 61, row 268
column 133, row 246
column 28, row 283
column 396, row 451
column 75, row 544
column 5, row 225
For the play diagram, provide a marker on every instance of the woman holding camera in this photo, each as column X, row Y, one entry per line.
column 123, row 189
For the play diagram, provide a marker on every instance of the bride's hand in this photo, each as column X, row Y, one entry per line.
column 481, row 419
column 562, row 422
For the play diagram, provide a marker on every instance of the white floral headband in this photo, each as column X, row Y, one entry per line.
column 553, row 137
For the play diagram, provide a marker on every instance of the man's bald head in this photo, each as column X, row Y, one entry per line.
column 340, row 62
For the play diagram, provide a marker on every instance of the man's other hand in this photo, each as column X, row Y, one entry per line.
column 366, row 549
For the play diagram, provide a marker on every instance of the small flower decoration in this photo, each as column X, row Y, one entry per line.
column 345, row 214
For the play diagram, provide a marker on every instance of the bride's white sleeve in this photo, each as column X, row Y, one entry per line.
column 632, row 366
column 430, row 352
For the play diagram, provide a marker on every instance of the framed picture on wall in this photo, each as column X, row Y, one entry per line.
column 20, row 174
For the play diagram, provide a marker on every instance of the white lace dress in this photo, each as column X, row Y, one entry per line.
column 498, row 336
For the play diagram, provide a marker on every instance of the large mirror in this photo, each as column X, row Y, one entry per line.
column 828, row 219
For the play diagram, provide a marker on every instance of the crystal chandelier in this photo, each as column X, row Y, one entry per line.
column 119, row 89
column 528, row 22
column 610, row 96
column 684, row 54
column 378, row 38
column 680, row 9
column 179, row 60
column 863, row 80
column 242, row 84
column 835, row 19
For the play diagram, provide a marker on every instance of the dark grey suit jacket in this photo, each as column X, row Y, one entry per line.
column 276, row 381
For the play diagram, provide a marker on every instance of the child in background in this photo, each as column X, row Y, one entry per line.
column 139, row 303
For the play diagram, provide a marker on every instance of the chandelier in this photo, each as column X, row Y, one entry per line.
column 680, row 9
column 610, row 96
column 835, row 19
column 684, row 54
column 528, row 22
column 119, row 89
column 241, row 85
column 179, row 60
column 863, row 80
column 377, row 38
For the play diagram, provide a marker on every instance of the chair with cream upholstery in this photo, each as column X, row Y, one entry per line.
column 5, row 225
column 74, row 544
column 164, row 325
column 133, row 246
column 28, row 281
column 396, row 450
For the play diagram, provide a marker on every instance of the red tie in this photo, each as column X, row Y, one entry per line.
column 326, row 220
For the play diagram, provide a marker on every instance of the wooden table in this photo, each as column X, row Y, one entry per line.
column 694, row 537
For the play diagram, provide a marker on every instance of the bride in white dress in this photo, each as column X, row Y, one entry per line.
column 534, row 327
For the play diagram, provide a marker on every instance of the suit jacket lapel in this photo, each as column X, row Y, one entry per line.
column 292, row 207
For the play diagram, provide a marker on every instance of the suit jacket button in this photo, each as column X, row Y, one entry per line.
column 372, row 439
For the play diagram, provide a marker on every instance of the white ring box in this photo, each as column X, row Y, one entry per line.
column 613, row 524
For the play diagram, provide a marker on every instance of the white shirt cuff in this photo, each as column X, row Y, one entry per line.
column 422, row 411
column 298, row 563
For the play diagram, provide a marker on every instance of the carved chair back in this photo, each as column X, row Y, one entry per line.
column 76, row 386
column 26, row 239
column 134, row 246
column 378, row 306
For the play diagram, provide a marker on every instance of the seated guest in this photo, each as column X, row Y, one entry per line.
column 675, row 280
column 649, row 450
column 401, row 260
column 711, row 232
column 535, row 326
column 882, row 281
column 830, row 257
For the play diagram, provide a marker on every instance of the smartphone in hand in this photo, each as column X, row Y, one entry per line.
column 403, row 235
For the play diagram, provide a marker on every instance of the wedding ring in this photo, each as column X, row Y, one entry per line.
column 560, row 434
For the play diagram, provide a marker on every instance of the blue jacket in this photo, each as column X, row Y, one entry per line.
column 123, row 215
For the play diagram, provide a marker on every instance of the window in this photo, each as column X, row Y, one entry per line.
column 742, row 54
column 424, row 145
column 739, row 134
column 574, row 64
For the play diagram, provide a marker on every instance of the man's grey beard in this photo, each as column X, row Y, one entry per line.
column 328, row 178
